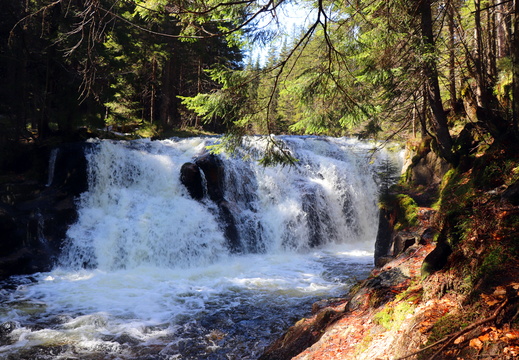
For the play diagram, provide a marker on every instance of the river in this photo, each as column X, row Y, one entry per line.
column 148, row 272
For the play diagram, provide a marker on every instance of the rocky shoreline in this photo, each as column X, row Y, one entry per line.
column 445, row 286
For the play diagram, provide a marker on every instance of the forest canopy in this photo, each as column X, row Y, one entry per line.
column 367, row 68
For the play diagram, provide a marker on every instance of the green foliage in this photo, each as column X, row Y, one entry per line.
column 387, row 174
column 225, row 104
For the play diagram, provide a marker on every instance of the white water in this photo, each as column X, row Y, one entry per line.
column 147, row 272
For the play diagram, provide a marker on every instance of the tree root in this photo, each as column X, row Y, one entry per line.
column 450, row 338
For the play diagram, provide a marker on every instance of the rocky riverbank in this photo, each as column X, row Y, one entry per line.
column 447, row 284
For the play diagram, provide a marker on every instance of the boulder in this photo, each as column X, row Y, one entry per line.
column 70, row 168
column 229, row 226
column 213, row 170
column 191, row 178
column 384, row 238
column 302, row 335
column 429, row 170
column 402, row 241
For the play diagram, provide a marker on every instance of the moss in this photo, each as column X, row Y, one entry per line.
column 364, row 344
column 453, row 322
column 407, row 212
column 493, row 262
column 392, row 316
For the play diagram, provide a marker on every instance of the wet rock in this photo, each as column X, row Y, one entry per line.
column 229, row 226
column 70, row 168
column 384, row 238
column 213, row 170
column 7, row 327
column 191, row 177
column 376, row 290
column 302, row 335
column 34, row 216
column 324, row 303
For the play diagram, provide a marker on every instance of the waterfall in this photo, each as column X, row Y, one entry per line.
column 138, row 212
column 159, row 267
column 52, row 164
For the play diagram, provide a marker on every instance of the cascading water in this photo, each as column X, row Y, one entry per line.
column 149, row 272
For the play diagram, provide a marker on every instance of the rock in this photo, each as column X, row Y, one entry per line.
column 324, row 303
column 436, row 259
column 191, row 178
column 429, row 170
column 34, row 216
column 384, row 237
column 70, row 168
column 402, row 241
column 213, row 170
column 7, row 327
column 302, row 335
column 376, row 291
column 511, row 194
column 229, row 224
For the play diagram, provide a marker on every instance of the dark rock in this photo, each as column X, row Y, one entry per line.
column 376, row 290
column 229, row 224
column 511, row 194
column 7, row 327
column 302, row 335
column 428, row 235
column 402, row 241
column 191, row 178
column 324, row 303
column 34, row 217
column 70, row 168
column 384, row 238
column 436, row 259
column 317, row 221
column 213, row 170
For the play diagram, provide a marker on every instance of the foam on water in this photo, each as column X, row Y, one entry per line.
column 147, row 272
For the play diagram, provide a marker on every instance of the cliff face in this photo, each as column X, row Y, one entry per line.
column 447, row 281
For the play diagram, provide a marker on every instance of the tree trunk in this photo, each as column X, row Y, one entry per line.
column 153, row 89
column 515, row 64
column 481, row 84
column 439, row 118
column 503, row 30
column 452, row 58
column 165, row 108
column 492, row 43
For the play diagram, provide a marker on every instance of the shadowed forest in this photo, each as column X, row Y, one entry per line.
column 386, row 69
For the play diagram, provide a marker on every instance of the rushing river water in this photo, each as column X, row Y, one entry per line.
column 147, row 272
